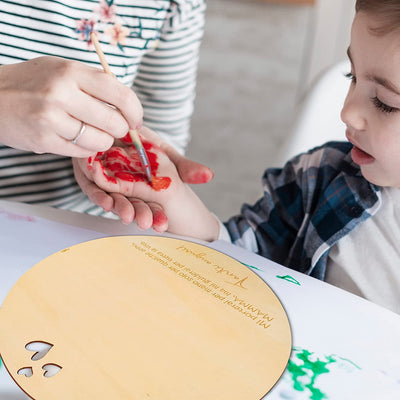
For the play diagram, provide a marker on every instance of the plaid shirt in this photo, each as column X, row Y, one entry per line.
column 308, row 205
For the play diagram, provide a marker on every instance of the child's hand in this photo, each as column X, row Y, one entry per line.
column 115, row 181
column 119, row 170
column 129, row 209
column 147, row 215
column 189, row 171
column 119, row 173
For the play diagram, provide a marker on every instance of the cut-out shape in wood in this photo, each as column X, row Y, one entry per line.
column 51, row 370
column 178, row 319
column 27, row 371
column 40, row 349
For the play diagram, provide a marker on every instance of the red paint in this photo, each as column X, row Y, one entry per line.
column 159, row 218
column 124, row 164
column 200, row 177
column 17, row 217
column 127, row 139
column 160, row 183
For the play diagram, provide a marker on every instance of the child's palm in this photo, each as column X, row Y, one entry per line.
column 119, row 170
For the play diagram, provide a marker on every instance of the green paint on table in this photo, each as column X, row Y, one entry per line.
column 289, row 279
column 312, row 368
column 251, row 266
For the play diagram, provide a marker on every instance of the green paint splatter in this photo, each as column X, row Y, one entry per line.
column 251, row 266
column 289, row 279
column 309, row 367
column 349, row 361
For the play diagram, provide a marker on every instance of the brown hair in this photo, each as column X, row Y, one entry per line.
column 387, row 13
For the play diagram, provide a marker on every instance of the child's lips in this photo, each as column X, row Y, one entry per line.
column 360, row 157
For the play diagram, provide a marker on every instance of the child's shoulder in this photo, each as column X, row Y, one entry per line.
column 334, row 149
column 321, row 164
column 332, row 155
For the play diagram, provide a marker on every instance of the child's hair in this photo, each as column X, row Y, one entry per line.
column 386, row 11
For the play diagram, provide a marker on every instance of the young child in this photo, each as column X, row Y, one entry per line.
column 53, row 90
column 334, row 212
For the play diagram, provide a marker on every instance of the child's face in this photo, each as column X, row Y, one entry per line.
column 371, row 111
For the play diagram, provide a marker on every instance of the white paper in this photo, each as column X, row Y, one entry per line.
column 344, row 347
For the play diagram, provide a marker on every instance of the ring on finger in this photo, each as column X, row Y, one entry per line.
column 80, row 133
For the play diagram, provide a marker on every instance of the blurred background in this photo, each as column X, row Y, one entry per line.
column 258, row 60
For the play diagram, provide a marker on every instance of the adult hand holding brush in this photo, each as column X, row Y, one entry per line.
column 129, row 208
column 54, row 105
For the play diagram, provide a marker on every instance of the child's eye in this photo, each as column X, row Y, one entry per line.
column 350, row 76
column 382, row 106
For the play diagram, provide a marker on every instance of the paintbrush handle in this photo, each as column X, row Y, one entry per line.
column 132, row 132
column 141, row 151
column 100, row 53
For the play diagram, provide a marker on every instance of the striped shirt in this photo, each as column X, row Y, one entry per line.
column 157, row 57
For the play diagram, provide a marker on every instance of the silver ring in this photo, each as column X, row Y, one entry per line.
column 81, row 132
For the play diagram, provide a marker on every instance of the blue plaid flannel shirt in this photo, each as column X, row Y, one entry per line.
column 308, row 205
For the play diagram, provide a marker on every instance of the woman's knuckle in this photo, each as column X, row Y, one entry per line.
column 106, row 143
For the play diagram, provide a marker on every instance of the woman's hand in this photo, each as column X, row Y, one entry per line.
column 44, row 103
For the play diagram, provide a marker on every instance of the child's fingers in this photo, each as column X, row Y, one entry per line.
column 160, row 220
column 143, row 213
column 147, row 215
column 123, row 208
column 192, row 171
column 96, row 195
column 100, row 197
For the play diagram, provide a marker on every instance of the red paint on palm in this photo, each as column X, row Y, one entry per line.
column 124, row 164
column 160, row 182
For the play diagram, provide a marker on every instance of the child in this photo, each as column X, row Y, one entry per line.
column 334, row 212
column 55, row 105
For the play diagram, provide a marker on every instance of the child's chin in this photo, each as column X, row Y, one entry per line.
column 377, row 179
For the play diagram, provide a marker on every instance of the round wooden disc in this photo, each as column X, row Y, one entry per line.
column 143, row 317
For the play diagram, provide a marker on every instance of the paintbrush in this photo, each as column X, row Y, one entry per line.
column 132, row 132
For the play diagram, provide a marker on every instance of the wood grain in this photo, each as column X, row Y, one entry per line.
column 143, row 317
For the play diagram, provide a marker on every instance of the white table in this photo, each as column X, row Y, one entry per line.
column 343, row 346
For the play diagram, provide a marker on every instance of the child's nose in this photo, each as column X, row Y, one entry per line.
column 353, row 114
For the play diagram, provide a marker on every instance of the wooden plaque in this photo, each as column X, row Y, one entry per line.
column 143, row 317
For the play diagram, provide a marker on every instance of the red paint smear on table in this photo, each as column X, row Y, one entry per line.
column 17, row 217
column 124, row 164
